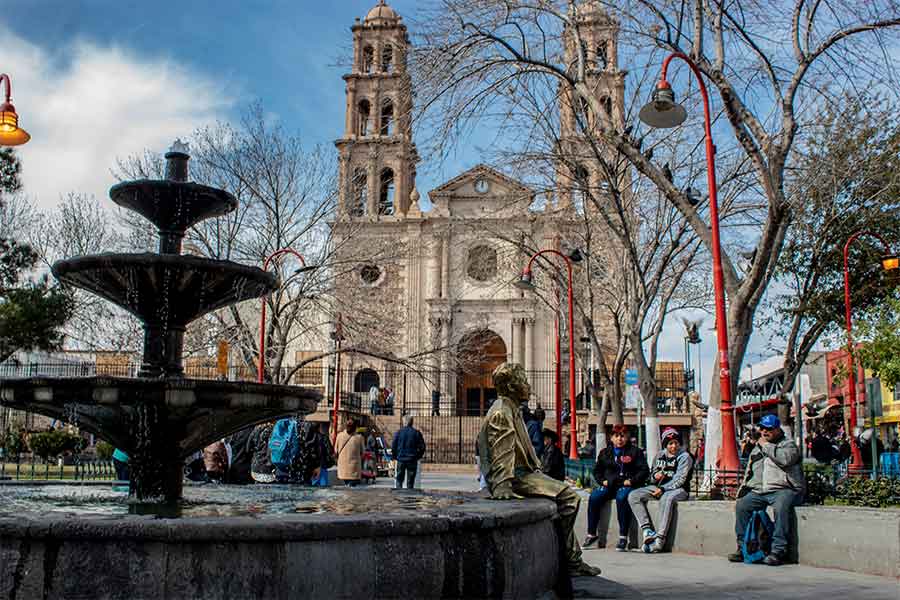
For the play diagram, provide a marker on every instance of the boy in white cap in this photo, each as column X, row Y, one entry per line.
column 670, row 480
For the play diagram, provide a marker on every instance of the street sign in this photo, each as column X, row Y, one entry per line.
column 631, row 377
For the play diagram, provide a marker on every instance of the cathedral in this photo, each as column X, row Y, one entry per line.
column 433, row 287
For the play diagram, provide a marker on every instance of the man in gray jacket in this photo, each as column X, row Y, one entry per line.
column 774, row 477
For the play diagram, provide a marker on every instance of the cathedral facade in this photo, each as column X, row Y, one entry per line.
column 433, row 288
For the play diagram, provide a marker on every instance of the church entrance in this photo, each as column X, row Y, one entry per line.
column 479, row 353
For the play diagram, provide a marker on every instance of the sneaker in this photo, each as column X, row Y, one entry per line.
column 589, row 541
column 622, row 546
column 582, row 569
column 649, row 535
column 658, row 545
column 736, row 557
column 773, row 560
column 645, row 548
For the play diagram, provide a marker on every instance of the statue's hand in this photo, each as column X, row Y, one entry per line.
column 504, row 491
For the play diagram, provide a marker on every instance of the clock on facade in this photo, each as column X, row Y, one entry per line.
column 482, row 186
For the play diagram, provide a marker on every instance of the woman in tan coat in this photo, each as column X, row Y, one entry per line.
column 349, row 448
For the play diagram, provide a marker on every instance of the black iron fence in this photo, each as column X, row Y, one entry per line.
column 447, row 405
column 31, row 467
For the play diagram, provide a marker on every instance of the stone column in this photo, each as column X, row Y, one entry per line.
column 445, row 263
column 529, row 344
column 372, row 178
column 446, row 395
column 518, row 341
column 436, row 268
column 344, row 183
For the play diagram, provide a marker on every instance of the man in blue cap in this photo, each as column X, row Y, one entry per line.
column 774, row 477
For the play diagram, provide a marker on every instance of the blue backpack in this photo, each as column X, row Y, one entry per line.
column 757, row 537
column 284, row 443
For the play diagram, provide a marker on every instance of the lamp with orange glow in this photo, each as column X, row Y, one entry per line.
column 10, row 132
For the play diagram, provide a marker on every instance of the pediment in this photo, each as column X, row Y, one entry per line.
column 464, row 184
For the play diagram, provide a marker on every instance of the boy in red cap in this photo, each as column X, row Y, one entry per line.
column 670, row 480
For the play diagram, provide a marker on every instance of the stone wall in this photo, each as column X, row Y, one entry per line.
column 861, row 540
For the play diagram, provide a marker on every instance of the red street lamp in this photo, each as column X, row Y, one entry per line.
column 889, row 262
column 261, row 369
column 663, row 112
column 525, row 283
column 10, row 132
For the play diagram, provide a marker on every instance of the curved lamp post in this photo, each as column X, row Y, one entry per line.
column 10, row 132
column 663, row 112
column 890, row 262
column 261, row 369
column 525, row 283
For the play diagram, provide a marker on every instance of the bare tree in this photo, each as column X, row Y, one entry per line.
column 772, row 64
column 77, row 226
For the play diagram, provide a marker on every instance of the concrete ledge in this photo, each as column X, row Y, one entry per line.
column 861, row 540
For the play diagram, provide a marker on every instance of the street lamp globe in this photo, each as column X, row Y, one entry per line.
column 662, row 111
column 525, row 282
column 10, row 132
column 890, row 262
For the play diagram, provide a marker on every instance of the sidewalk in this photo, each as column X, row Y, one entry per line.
column 635, row 575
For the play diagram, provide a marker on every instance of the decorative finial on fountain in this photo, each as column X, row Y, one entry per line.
column 177, row 161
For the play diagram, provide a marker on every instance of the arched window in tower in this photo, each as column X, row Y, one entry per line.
column 387, row 59
column 387, row 117
column 386, row 193
column 602, row 55
column 368, row 59
column 365, row 118
column 360, row 199
column 580, row 189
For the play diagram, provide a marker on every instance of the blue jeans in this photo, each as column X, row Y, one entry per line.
column 623, row 511
column 782, row 502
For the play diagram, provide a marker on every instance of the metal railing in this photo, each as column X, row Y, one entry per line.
column 33, row 468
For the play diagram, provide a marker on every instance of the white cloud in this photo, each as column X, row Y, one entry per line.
column 87, row 105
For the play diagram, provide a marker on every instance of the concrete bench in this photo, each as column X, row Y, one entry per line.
column 861, row 540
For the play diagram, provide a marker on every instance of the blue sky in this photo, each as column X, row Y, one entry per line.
column 96, row 80
column 77, row 66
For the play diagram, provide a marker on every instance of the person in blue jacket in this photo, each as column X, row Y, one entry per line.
column 407, row 449
column 535, row 425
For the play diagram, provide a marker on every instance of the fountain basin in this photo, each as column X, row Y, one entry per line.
column 157, row 422
column 165, row 289
column 409, row 545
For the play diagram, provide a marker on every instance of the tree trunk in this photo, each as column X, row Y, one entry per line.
column 600, row 436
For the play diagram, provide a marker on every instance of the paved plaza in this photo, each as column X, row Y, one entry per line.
column 635, row 575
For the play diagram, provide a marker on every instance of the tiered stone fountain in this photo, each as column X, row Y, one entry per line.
column 277, row 542
column 161, row 417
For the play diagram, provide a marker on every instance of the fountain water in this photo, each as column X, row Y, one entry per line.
column 161, row 417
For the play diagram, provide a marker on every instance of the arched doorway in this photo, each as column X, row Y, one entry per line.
column 365, row 379
column 479, row 353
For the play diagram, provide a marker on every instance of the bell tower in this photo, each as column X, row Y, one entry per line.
column 595, row 38
column 377, row 155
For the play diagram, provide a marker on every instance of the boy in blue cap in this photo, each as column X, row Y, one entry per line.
column 774, row 477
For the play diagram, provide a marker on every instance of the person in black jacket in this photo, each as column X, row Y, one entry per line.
column 408, row 448
column 620, row 467
column 552, row 462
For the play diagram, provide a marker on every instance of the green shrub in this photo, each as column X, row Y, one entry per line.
column 13, row 441
column 104, row 450
column 873, row 493
column 53, row 443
